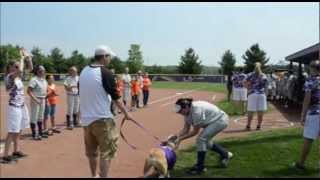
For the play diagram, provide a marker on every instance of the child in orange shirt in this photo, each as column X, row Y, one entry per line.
column 50, row 106
column 145, row 90
column 135, row 90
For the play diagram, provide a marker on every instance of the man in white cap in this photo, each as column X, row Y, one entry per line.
column 97, row 89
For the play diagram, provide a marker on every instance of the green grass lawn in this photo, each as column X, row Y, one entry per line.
column 212, row 87
column 262, row 154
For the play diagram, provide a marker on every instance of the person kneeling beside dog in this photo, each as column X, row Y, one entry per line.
column 201, row 114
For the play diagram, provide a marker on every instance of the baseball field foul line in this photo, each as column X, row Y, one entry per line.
column 163, row 99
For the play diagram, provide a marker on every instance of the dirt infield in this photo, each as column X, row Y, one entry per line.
column 62, row 155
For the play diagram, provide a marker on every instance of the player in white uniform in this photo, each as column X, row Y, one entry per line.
column 37, row 90
column 126, row 86
column 71, row 85
column 17, row 111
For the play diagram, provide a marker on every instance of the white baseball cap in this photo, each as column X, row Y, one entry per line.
column 104, row 50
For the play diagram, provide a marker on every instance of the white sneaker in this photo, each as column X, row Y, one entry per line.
column 225, row 161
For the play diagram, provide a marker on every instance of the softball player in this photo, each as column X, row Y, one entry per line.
column 17, row 112
column 257, row 84
column 239, row 92
column 201, row 114
column 37, row 90
column 310, row 116
column 126, row 86
column 71, row 86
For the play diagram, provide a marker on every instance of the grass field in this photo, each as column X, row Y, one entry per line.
column 213, row 87
column 262, row 154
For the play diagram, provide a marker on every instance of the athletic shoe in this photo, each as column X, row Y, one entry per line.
column 44, row 135
column 70, row 128
column 225, row 161
column 258, row 128
column 37, row 138
column 298, row 166
column 195, row 170
column 56, row 130
column 19, row 154
column 248, row 128
column 8, row 160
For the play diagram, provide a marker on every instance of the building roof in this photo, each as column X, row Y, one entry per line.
column 305, row 55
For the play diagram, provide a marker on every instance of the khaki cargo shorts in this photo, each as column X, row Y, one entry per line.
column 101, row 134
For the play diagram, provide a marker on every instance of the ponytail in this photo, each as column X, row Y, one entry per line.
column 257, row 68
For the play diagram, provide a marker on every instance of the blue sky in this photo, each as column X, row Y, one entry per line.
column 164, row 30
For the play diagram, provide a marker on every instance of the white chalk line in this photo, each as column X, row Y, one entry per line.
column 176, row 95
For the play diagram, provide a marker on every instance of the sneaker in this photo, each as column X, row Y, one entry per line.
column 298, row 166
column 56, row 131
column 8, row 160
column 195, row 170
column 37, row 138
column 225, row 161
column 70, row 128
column 44, row 135
column 19, row 154
column 77, row 126
column 258, row 128
column 248, row 128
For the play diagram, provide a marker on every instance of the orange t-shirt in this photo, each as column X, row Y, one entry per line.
column 119, row 87
column 135, row 87
column 52, row 98
column 146, row 84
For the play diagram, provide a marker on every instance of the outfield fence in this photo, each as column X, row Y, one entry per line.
column 154, row 77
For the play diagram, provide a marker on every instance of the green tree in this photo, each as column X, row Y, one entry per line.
column 190, row 63
column 117, row 65
column 41, row 59
column 135, row 60
column 253, row 55
column 77, row 59
column 7, row 53
column 59, row 61
column 227, row 63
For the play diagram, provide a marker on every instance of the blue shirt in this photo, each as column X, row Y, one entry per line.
column 312, row 85
column 238, row 80
column 257, row 83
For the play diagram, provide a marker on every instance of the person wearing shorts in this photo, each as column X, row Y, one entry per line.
column 140, row 80
column 310, row 116
column 209, row 118
column 71, row 87
column 126, row 86
column 97, row 88
column 135, row 91
column 17, row 112
column 257, row 84
column 37, row 90
column 239, row 92
column 50, row 108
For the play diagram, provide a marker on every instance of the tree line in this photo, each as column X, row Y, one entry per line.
column 56, row 62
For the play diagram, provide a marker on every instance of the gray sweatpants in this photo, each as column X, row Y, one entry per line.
column 210, row 131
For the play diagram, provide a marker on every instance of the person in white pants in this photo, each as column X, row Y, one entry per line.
column 239, row 91
column 257, row 84
column 71, row 86
column 37, row 90
column 17, row 111
column 310, row 116
column 126, row 87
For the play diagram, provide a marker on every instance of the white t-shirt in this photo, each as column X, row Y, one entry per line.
column 97, row 88
column 126, row 80
column 39, row 86
column 72, row 81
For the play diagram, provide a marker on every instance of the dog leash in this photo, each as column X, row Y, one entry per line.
column 139, row 125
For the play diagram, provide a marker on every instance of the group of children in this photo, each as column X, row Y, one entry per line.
column 134, row 85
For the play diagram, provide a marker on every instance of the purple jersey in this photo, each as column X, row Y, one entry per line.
column 258, row 83
column 16, row 90
column 238, row 80
column 170, row 156
column 312, row 85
